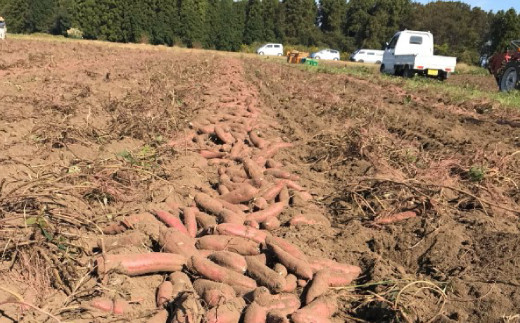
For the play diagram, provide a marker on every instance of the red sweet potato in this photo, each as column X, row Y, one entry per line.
column 242, row 231
column 287, row 247
column 260, row 203
column 318, row 311
column 228, row 312
column 252, row 224
column 140, row 264
column 395, row 217
column 280, row 269
column 292, row 185
column 187, row 308
column 318, row 264
column 171, row 220
column 273, row 191
column 278, row 173
column 284, row 303
column 219, row 161
column 226, row 137
column 208, row 203
column 239, row 245
column 255, row 313
column 236, row 151
column 271, row 163
column 213, row 293
column 110, row 306
column 205, row 220
column 274, row 210
column 164, row 293
column 212, row 271
column 209, row 154
column 190, row 220
column 326, row 278
column 256, row 140
column 229, row 260
column 271, row 223
column 183, row 141
column 242, row 194
column 291, row 282
column 309, row 219
column 284, row 196
column 299, row 267
column 228, row 216
column 254, row 171
column 173, row 241
column 180, row 283
column 264, row 275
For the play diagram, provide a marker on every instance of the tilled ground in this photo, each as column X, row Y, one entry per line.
column 417, row 191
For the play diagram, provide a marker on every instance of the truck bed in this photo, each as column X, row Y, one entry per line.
column 432, row 62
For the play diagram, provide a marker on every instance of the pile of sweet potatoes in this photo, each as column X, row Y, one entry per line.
column 222, row 261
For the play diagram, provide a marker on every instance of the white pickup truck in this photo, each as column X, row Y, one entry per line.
column 411, row 52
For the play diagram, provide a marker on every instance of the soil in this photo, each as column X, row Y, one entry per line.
column 85, row 128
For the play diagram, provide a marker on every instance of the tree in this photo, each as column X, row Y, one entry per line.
column 254, row 28
column 271, row 20
column 504, row 27
column 193, row 23
column 300, row 21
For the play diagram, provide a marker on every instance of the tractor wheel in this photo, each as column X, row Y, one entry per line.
column 508, row 80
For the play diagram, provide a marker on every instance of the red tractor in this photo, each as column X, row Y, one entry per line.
column 506, row 67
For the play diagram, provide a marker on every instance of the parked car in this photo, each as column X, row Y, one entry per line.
column 411, row 52
column 326, row 54
column 367, row 56
column 270, row 49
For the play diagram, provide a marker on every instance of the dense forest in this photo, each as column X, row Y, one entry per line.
column 459, row 29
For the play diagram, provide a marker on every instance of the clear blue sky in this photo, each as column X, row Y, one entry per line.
column 487, row 5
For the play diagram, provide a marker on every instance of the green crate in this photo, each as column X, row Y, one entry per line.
column 311, row 62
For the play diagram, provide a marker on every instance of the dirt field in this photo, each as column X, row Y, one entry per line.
column 420, row 189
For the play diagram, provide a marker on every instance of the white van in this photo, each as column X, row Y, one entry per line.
column 270, row 49
column 367, row 56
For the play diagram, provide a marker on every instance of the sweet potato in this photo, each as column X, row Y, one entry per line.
column 237, row 208
column 164, row 293
column 242, row 231
column 222, row 189
column 159, row 317
column 180, row 283
column 219, row 161
column 110, row 306
column 226, row 137
column 271, row 163
column 212, row 271
column 228, row 216
column 326, row 278
column 274, row 210
column 239, row 245
column 228, row 312
column 287, row 246
column 183, row 141
column 254, row 171
column 318, row 264
column 171, row 220
column 255, row 313
column 280, row 269
column 236, row 150
column 133, row 238
column 205, row 220
column 256, row 140
column 271, row 223
column 284, row 303
column 260, row 203
column 302, row 282
column 299, row 267
column 278, row 173
column 252, row 224
column 209, row 154
column 133, row 221
column 318, row 311
column 213, row 293
column 273, row 148
column 244, row 193
column 173, row 241
column 208, row 203
column 292, row 185
column 190, row 220
column 273, row 191
column 229, row 260
column 395, row 217
column 309, row 219
column 140, row 264
column 291, row 282
column 284, row 196
column 187, row 308
column 264, row 275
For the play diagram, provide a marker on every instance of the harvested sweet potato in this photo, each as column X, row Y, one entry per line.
column 239, row 245
column 255, row 313
column 133, row 238
column 272, row 149
column 299, row 267
column 264, row 275
column 309, row 219
column 228, row 216
column 254, row 171
column 172, row 240
column 318, row 311
column 277, row 317
column 187, row 308
column 284, row 196
column 226, row 137
column 280, row 269
column 208, row 203
column 209, row 154
column 171, row 220
column 291, row 282
column 278, row 173
column 260, row 203
column 242, row 231
column 212, row 271
column 326, row 278
column 164, row 293
column 318, row 264
column 190, row 220
column 213, row 293
column 159, row 317
column 244, row 193
column 271, row 192
column 180, row 283
column 110, row 306
column 271, row 223
column 274, row 210
column 229, row 312
column 284, row 303
column 287, row 246
column 229, row 260
column 140, row 264
column 256, row 140
column 271, row 163
column 205, row 220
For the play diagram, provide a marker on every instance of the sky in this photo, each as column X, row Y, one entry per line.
column 487, row 5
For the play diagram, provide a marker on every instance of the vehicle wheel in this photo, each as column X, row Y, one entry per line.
column 378, row 62
column 408, row 72
column 279, row 54
column 361, row 61
column 382, row 68
column 508, row 80
column 261, row 53
column 336, row 59
column 443, row 76
column 317, row 57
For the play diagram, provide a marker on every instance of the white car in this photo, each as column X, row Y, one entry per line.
column 326, row 54
column 411, row 52
column 367, row 56
column 270, row 49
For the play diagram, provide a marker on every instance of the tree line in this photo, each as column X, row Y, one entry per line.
column 459, row 29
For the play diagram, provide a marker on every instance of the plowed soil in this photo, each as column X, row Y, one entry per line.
column 86, row 128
